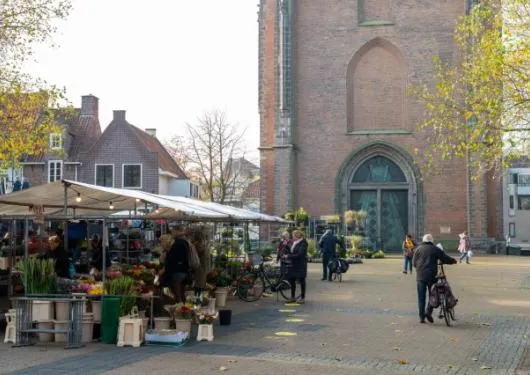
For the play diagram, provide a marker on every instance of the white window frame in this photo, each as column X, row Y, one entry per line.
column 96, row 173
column 123, row 175
column 53, row 136
column 49, row 169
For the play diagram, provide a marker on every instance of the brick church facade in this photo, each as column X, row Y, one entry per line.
column 338, row 128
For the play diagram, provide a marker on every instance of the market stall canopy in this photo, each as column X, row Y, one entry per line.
column 85, row 200
column 100, row 200
column 235, row 213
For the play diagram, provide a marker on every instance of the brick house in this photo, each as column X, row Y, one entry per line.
column 338, row 129
column 122, row 156
column 80, row 131
column 128, row 157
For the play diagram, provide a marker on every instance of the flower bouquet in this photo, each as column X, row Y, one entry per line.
column 184, row 311
column 206, row 319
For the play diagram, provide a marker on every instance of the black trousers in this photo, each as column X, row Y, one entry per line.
column 293, row 287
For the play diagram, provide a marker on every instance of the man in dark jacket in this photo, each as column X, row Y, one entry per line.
column 425, row 260
column 328, row 244
column 177, row 264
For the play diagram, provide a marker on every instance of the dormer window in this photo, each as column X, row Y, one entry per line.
column 56, row 141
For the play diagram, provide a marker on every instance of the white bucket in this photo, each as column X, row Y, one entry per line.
column 42, row 310
column 162, row 323
column 88, row 327
column 62, row 310
column 96, row 310
column 45, row 337
column 63, row 325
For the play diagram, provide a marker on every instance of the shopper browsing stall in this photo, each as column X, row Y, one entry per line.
column 177, row 265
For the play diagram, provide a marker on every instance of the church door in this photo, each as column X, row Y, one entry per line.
column 379, row 188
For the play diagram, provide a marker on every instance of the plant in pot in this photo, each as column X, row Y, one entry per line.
column 125, row 287
column 222, row 282
column 38, row 277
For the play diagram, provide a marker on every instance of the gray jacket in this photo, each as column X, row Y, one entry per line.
column 425, row 260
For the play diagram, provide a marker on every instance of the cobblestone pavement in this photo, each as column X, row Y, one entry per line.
column 365, row 325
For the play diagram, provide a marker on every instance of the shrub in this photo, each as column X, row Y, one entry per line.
column 379, row 254
column 311, row 248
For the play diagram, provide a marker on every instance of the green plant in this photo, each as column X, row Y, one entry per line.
column 301, row 216
column 367, row 254
column 38, row 275
column 311, row 248
column 222, row 280
column 379, row 254
column 125, row 287
column 289, row 215
column 4, row 251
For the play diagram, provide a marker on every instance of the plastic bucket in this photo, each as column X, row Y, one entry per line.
column 225, row 317
column 96, row 310
column 60, row 337
column 162, row 323
column 62, row 310
column 88, row 327
column 110, row 317
column 45, row 337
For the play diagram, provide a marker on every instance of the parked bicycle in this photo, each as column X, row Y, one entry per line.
column 252, row 285
column 442, row 296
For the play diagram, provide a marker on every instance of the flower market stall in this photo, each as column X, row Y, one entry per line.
column 118, row 302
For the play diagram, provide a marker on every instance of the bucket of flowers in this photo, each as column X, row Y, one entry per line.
column 205, row 331
column 183, row 316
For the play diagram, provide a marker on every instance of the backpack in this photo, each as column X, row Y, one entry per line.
column 193, row 257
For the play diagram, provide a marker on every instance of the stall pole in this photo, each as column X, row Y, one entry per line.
column 12, row 245
column 104, row 243
column 26, row 243
column 127, row 243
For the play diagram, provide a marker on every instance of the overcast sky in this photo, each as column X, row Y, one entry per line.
column 163, row 61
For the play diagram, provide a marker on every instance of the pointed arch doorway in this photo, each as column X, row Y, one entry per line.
column 381, row 180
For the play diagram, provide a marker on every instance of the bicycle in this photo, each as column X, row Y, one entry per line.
column 337, row 267
column 442, row 296
column 252, row 285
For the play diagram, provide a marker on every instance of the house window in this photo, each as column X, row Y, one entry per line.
column 523, row 180
column 523, row 202
column 194, row 191
column 56, row 141
column 511, row 202
column 105, row 175
column 132, row 176
column 511, row 230
column 515, row 178
column 55, row 170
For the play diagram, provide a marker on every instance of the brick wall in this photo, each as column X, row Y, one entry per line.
column 350, row 90
column 118, row 146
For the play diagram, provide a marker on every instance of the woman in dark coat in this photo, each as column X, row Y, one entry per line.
column 298, row 259
column 176, row 265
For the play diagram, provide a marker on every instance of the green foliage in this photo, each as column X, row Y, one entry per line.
column 289, row 215
column 38, row 275
column 125, row 287
column 24, row 23
column 479, row 107
column 301, row 216
column 311, row 248
column 378, row 254
column 223, row 279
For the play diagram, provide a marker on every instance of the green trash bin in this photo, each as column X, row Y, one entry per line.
column 110, row 317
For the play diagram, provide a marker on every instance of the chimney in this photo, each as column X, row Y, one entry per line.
column 119, row 115
column 89, row 105
column 151, row 132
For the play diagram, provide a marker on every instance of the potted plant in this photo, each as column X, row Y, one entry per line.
column 205, row 331
column 183, row 316
column 38, row 277
column 222, row 282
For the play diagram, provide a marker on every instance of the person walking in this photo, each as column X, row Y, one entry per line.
column 408, row 251
column 328, row 245
column 464, row 245
column 425, row 260
column 297, row 256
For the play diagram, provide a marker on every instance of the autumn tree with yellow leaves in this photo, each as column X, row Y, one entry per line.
column 479, row 106
column 27, row 105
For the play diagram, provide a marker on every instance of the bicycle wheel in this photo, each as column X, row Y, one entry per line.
column 250, row 287
column 452, row 313
column 444, row 310
column 284, row 287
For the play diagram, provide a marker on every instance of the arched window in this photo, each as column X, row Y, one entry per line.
column 378, row 169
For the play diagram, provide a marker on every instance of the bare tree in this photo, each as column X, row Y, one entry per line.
column 213, row 143
column 179, row 150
